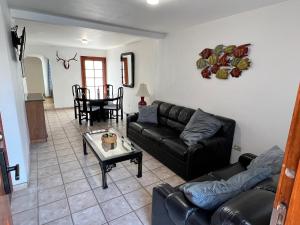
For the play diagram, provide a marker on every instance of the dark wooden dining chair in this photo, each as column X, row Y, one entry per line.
column 74, row 93
column 108, row 90
column 116, row 106
column 86, row 110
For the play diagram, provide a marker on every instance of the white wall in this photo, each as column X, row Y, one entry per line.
column 262, row 100
column 63, row 79
column 12, row 104
column 34, row 75
column 146, row 70
column 44, row 61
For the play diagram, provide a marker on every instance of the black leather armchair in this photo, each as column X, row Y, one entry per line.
column 163, row 142
column 170, row 207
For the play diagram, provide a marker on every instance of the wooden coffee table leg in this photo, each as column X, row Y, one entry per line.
column 84, row 147
column 104, row 180
column 140, row 167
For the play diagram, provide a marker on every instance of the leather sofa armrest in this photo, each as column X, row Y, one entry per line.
column 159, row 212
column 251, row 207
column 179, row 209
column 245, row 159
column 132, row 117
column 211, row 142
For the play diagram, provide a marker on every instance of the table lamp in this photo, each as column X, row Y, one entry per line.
column 143, row 92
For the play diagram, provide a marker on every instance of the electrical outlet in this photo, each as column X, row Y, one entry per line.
column 237, row 148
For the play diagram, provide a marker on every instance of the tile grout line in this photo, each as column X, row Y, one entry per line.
column 38, row 190
column 64, row 184
column 55, row 123
column 91, row 189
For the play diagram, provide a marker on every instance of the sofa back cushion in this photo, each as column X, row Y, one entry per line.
column 163, row 112
column 175, row 117
column 174, row 121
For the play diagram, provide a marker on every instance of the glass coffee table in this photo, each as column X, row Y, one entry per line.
column 110, row 154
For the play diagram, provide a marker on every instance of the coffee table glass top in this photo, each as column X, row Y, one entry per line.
column 107, row 151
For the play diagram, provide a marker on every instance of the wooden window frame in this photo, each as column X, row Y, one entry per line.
column 93, row 58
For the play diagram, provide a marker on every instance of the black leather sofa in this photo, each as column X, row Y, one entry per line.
column 163, row 142
column 253, row 207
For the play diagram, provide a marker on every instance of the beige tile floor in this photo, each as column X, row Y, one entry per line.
column 65, row 186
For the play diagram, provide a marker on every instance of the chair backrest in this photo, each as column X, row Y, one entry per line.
column 83, row 97
column 108, row 90
column 74, row 90
column 120, row 97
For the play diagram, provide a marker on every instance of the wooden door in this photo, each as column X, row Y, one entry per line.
column 93, row 74
column 287, row 202
column 5, row 213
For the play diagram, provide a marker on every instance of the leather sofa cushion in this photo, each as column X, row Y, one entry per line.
column 175, row 125
column 159, row 133
column 176, row 147
column 163, row 113
column 141, row 126
column 175, row 117
column 174, row 112
column 185, row 115
column 228, row 172
column 164, row 109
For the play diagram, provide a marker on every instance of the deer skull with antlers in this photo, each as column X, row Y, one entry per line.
column 66, row 62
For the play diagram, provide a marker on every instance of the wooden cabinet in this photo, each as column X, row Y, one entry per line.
column 36, row 118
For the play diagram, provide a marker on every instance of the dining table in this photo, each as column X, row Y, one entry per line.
column 101, row 102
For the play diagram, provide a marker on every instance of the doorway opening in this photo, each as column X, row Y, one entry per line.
column 38, row 78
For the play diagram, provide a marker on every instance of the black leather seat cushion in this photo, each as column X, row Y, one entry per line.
column 228, row 172
column 159, row 133
column 176, row 147
column 139, row 127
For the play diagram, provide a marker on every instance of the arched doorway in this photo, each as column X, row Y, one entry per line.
column 38, row 78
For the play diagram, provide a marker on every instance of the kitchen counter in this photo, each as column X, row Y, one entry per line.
column 36, row 117
column 34, row 97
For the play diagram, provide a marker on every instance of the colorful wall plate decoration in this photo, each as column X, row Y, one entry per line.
column 224, row 61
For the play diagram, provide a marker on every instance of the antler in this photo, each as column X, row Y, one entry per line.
column 66, row 62
column 58, row 58
column 74, row 58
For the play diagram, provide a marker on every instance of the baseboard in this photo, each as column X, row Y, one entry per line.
column 19, row 187
column 62, row 108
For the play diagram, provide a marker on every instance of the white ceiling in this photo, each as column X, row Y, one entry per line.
column 168, row 16
column 48, row 34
